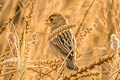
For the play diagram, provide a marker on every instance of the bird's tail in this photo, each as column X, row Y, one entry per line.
column 70, row 65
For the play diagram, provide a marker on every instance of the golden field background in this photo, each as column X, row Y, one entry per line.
column 25, row 53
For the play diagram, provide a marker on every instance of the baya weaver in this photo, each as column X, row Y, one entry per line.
column 64, row 42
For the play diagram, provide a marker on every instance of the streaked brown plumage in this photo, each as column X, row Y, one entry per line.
column 65, row 42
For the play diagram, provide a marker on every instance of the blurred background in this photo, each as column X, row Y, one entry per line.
column 25, row 53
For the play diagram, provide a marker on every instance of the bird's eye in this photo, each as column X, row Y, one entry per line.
column 51, row 19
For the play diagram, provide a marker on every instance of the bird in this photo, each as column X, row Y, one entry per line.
column 64, row 42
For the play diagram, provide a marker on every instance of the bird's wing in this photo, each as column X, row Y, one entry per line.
column 65, row 43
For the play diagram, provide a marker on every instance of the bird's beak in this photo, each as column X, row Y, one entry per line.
column 46, row 21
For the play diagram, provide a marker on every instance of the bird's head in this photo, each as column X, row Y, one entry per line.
column 55, row 20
